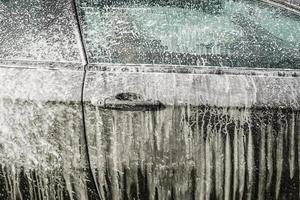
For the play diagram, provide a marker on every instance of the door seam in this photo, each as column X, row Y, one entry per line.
column 84, row 132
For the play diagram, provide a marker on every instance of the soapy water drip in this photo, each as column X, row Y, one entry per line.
column 196, row 152
column 186, row 152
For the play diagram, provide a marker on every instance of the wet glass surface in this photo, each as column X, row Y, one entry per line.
column 41, row 30
column 234, row 34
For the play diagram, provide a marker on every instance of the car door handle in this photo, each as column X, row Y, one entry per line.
column 130, row 102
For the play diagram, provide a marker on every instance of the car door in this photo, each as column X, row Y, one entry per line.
column 189, row 101
column 42, row 148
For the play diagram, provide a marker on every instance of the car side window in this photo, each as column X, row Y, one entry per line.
column 42, row 30
column 219, row 33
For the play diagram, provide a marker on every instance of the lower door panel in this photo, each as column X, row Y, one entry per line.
column 215, row 137
column 42, row 149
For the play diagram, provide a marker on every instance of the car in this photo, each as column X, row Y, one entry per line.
column 150, row 99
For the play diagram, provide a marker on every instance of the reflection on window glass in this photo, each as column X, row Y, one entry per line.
column 218, row 33
column 38, row 30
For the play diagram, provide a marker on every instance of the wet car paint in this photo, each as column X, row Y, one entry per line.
column 234, row 136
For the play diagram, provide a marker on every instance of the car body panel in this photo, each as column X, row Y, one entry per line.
column 204, row 86
column 225, row 127
column 167, row 119
column 43, row 147
column 223, row 133
column 43, row 151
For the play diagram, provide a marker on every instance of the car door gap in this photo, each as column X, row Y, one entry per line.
column 94, row 186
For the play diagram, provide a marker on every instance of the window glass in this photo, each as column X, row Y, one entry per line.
column 211, row 33
column 41, row 30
